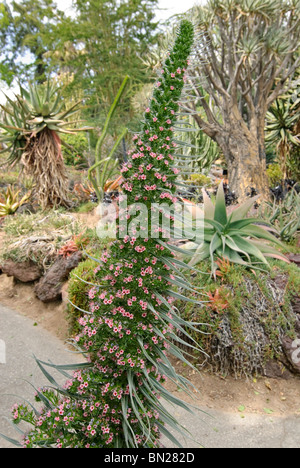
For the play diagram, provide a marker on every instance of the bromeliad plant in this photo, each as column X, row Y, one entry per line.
column 234, row 236
column 30, row 128
column 113, row 400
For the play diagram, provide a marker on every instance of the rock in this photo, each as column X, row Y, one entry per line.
column 296, row 308
column 275, row 370
column 295, row 258
column 291, row 350
column 26, row 208
column 26, row 272
column 49, row 288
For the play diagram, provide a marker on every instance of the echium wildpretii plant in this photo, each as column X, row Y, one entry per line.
column 113, row 400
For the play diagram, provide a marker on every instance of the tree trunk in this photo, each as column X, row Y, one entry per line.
column 244, row 151
column 247, row 173
column 42, row 159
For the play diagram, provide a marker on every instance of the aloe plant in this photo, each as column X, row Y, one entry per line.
column 30, row 130
column 235, row 236
column 284, row 216
column 10, row 201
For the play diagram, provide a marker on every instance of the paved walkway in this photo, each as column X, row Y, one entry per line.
column 218, row 430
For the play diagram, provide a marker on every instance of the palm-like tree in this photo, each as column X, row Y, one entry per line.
column 30, row 130
column 283, row 129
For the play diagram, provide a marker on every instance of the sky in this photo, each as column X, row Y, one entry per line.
column 167, row 8
column 173, row 7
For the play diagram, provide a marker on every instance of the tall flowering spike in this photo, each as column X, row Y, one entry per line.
column 151, row 167
column 132, row 325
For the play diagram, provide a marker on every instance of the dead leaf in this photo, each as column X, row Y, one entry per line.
column 268, row 385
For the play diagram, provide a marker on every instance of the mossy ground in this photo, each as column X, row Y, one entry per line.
column 248, row 314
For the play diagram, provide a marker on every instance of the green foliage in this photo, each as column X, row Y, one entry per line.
column 10, row 201
column 234, row 236
column 75, row 149
column 282, row 131
column 199, row 180
column 110, row 37
column 81, row 281
column 29, row 31
column 275, row 174
column 97, row 46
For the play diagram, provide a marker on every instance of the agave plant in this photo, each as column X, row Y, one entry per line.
column 10, row 201
column 30, row 129
column 236, row 237
column 284, row 216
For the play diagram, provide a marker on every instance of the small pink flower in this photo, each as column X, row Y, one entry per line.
column 172, row 88
column 155, row 119
column 147, row 110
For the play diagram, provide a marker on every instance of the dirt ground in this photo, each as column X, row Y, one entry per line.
column 21, row 298
column 257, row 396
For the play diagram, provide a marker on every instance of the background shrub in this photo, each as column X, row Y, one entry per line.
column 76, row 156
column 78, row 292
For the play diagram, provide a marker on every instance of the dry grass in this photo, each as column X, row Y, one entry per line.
column 38, row 237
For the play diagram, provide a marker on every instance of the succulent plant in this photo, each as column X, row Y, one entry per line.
column 10, row 201
column 235, row 236
column 30, row 131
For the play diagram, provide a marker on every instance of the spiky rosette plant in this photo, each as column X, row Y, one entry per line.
column 131, row 328
column 30, row 128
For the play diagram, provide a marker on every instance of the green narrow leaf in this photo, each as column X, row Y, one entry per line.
column 240, row 212
column 220, row 206
column 251, row 249
column 209, row 207
column 11, row 441
column 169, row 436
